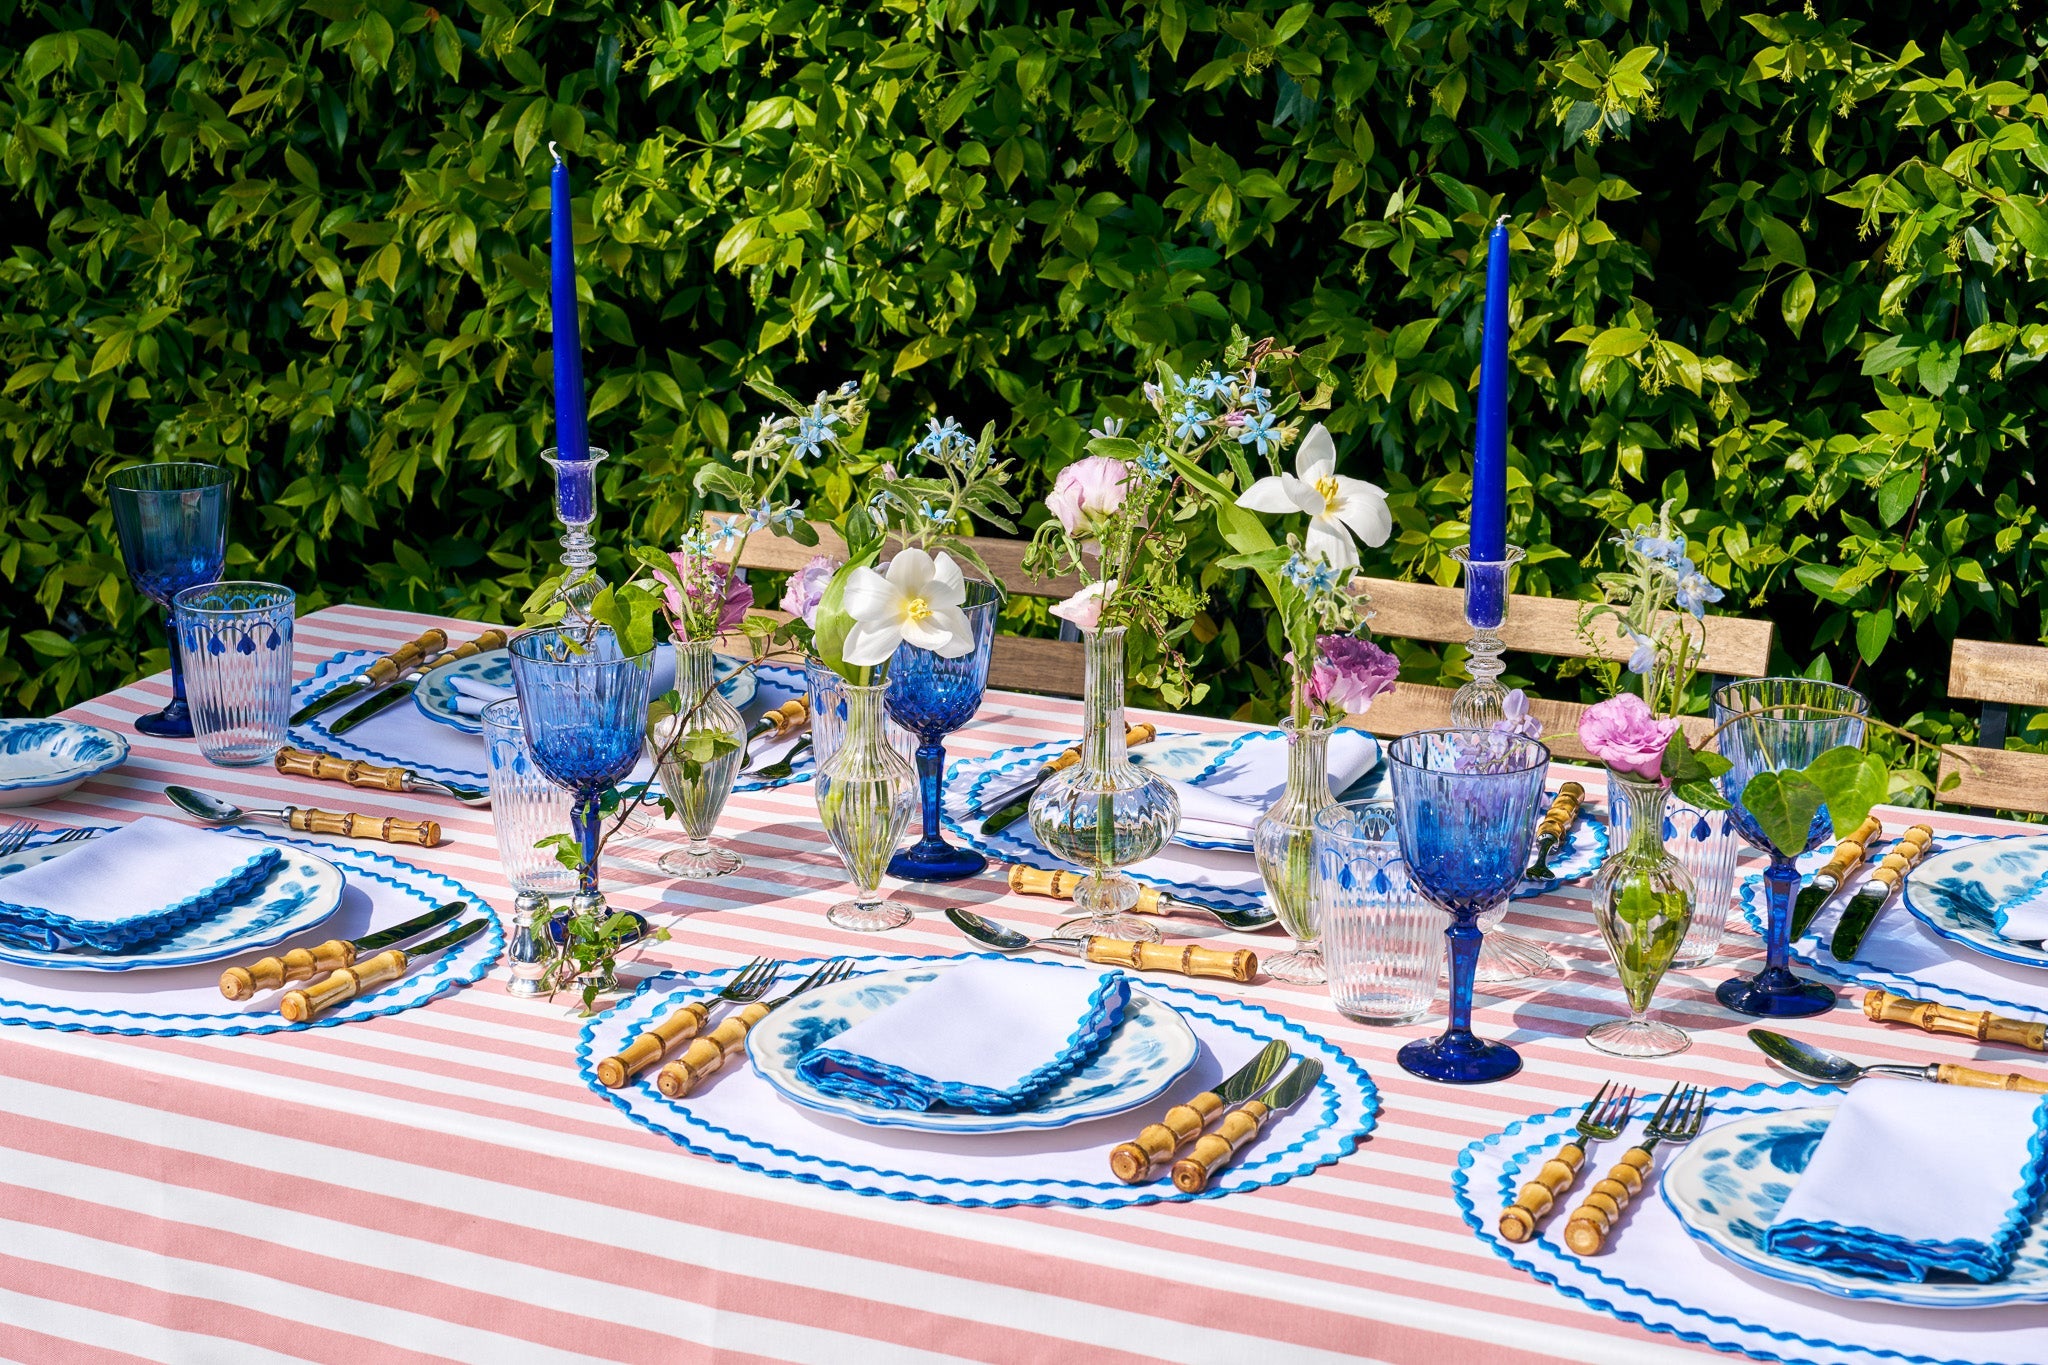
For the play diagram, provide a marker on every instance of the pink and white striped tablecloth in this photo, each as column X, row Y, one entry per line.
column 440, row 1185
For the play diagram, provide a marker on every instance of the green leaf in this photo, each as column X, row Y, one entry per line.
column 1873, row 632
column 1781, row 241
column 1705, row 795
column 1797, row 301
column 1783, row 805
column 1851, row 781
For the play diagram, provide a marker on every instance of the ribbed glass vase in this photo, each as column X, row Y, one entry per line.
column 866, row 791
column 1284, row 841
column 698, row 787
column 1106, row 812
column 1705, row 842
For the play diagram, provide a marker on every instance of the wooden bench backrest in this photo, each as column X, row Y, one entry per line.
column 1737, row 646
column 1016, row 663
column 1996, row 778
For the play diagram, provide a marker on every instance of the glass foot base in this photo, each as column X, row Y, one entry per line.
column 1638, row 1038
column 868, row 918
column 1508, row 957
column 1131, row 928
column 1303, row 965
column 714, row 862
column 1459, row 1059
column 1782, row 997
column 173, row 722
column 936, row 861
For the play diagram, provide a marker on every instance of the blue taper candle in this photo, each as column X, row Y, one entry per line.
column 1490, row 453
column 572, row 437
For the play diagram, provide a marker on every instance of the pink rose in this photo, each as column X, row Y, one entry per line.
column 1087, row 490
column 1626, row 735
column 807, row 588
column 710, row 583
column 1350, row 672
column 1084, row 608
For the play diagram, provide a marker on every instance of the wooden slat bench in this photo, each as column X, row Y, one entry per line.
column 1736, row 646
column 1988, row 775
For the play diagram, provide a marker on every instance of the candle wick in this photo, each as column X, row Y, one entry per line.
column 1501, row 221
column 558, row 160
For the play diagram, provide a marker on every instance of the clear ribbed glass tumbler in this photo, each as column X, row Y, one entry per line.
column 1382, row 941
column 236, row 643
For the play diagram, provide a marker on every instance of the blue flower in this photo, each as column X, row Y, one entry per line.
column 1152, row 463
column 938, row 435
column 1660, row 550
column 1215, row 385
column 1257, row 431
column 1260, row 399
column 1645, row 657
column 1192, row 424
column 1694, row 591
column 1313, row 576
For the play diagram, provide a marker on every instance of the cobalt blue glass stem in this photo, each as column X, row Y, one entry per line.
column 932, row 697
column 171, row 520
column 1466, row 804
column 588, row 818
column 1779, row 725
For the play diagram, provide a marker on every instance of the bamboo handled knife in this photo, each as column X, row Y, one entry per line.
column 379, row 674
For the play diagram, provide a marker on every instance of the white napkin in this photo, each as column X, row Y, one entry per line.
column 1912, row 1178
column 123, row 889
column 1232, row 798
column 2024, row 921
column 987, row 1036
column 472, row 695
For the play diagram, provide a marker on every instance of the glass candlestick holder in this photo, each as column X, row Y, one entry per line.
column 1479, row 703
column 576, row 509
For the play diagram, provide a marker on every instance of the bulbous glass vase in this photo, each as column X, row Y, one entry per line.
column 1106, row 812
column 1284, row 841
column 698, row 786
column 1643, row 902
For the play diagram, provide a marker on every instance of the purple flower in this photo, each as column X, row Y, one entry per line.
column 1626, row 735
column 710, row 582
column 1515, row 717
column 807, row 588
column 1350, row 672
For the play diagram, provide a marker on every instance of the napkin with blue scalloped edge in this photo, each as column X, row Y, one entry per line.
column 122, row 890
column 1911, row 1179
column 988, row 1037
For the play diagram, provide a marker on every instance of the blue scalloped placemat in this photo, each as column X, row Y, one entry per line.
column 778, row 683
column 1492, row 1169
column 735, row 1117
column 185, row 1002
column 1992, row 985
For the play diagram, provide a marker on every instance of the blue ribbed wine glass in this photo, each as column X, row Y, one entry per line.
column 172, row 521
column 1772, row 724
column 1466, row 801
column 583, row 703
column 932, row 697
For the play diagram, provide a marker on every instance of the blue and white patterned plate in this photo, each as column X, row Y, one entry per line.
column 301, row 893
column 436, row 696
column 41, row 759
column 1727, row 1187
column 1147, row 1053
column 1958, row 891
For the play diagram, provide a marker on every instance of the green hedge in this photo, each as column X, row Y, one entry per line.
column 1785, row 265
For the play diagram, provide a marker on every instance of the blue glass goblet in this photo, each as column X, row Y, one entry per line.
column 932, row 697
column 172, row 521
column 1466, row 802
column 583, row 704
column 1770, row 725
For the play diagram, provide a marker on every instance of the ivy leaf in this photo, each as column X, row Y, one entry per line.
column 1705, row 795
column 1783, row 805
column 1851, row 781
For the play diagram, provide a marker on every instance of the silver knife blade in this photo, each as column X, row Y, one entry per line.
column 1298, row 1083
column 377, row 705
column 418, row 924
column 996, row 805
column 1249, row 1079
column 460, row 934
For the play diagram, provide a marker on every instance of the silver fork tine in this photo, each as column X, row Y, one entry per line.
column 15, row 835
column 753, row 979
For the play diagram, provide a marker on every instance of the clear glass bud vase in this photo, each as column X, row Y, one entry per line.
column 698, row 754
column 1284, row 840
column 1106, row 812
column 866, row 791
column 1643, row 902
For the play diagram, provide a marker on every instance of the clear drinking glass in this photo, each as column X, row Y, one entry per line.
column 1705, row 843
column 1383, row 942
column 525, row 806
column 236, row 641
column 172, row 520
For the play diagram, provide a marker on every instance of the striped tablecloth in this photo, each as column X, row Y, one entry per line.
column 439, row 1184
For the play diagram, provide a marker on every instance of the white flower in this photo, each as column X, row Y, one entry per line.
column 1340, row 511
column 917, row 602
